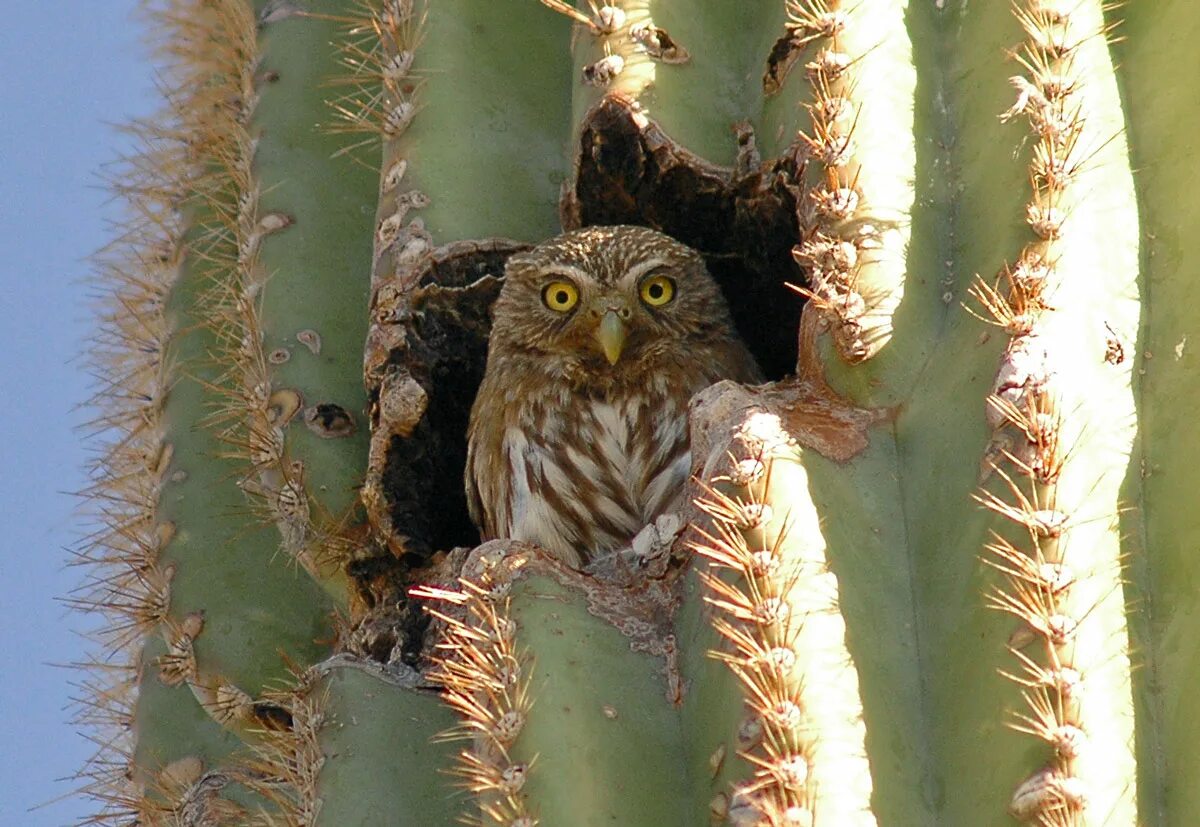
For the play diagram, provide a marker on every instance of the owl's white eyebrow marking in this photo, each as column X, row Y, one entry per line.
column 575, row 273
column 642, row 268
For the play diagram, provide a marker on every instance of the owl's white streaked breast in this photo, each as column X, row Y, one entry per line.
column 586, row 484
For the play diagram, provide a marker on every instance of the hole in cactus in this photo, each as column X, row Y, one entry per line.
column 743, row 221
column 444, row 350
column 272, row 716
column 628, row 172
column 329, row 421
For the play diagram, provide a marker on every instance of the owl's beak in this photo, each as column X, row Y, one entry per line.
column 611, row 335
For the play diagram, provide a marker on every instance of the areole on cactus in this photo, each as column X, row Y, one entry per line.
column 936, row 572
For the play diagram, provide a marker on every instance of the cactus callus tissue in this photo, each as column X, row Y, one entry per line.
column 939, row 570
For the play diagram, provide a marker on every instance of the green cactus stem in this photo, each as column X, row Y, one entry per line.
column 966, row 596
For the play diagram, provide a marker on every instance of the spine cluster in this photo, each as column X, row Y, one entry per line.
column 775, row 606
column 627, row 36
column 1044, row 575
column 379, row 51
column 485, row 681
column 832, row 245
column 287, row 761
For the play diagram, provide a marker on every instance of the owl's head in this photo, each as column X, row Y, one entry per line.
column 604, row 297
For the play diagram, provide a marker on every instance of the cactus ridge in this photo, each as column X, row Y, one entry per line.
column 256, row 407
column 129, row 583
column 754, row 615
column 381, row 48
column 774, row 601
column 185, row 332
column 851, row 239
column 1056, row 579
column 252, row 415
column 223, row 243
column 484, row 678
column 828, row 253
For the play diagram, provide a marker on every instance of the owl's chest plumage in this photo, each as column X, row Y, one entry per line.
column 586, row 477
column 581, row 474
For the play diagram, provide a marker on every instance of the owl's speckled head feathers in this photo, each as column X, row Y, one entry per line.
column 604, row 298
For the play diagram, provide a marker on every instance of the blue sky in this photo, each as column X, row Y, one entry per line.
column 71, row 70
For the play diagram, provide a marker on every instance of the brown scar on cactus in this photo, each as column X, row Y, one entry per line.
column 329, row 421
column 817, row 416
column 311, row 339
column 623, row 33
column 658, row 44
column 807, row 21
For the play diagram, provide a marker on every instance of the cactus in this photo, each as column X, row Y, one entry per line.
column 935, row 572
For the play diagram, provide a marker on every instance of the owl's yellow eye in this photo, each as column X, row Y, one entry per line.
column 658, row 290
column 560, row 296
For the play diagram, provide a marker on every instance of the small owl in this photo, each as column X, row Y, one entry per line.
column 578, row 437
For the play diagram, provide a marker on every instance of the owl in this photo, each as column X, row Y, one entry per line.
column 578, row 436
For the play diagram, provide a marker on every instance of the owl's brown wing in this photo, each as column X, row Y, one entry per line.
column 737, row 364
column 474, row 501
column 725, row 357
column 487, row 496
